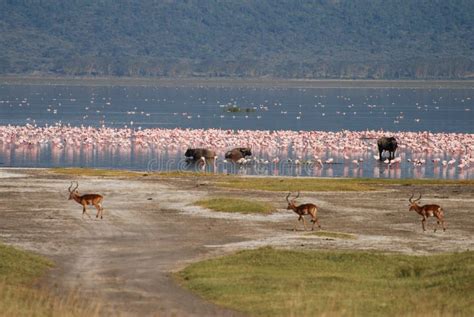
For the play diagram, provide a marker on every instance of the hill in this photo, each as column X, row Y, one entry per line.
column 250, row 38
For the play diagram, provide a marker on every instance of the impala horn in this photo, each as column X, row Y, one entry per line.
column 69, row 189
column 288, row 197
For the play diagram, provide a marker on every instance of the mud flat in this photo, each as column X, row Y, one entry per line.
column 151, row 228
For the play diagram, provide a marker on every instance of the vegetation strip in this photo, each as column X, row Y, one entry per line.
column 19, row 270
column 78, row 171
column 236, row 205
column 283, row 184
column 269, row 282
column 326, row 184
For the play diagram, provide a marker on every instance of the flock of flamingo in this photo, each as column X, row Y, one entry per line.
column 319, row 148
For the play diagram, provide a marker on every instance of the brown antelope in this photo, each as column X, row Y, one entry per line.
column 427, row 211
column 87, row 199
column 302, row 210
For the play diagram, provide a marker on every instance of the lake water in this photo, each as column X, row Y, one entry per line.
column 322, row 109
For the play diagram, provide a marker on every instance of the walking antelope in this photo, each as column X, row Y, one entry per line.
column 302, row 210
column 427, row 211
column 87, row 199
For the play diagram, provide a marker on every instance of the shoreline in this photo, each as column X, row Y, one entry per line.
column 124, row 173
column 235, row 82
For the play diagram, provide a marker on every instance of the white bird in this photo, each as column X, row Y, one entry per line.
column 202, row 162
column 396, row 160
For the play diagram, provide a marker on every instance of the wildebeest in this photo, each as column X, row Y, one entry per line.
column 238, row 153
column 387, row 144
column 197, row 154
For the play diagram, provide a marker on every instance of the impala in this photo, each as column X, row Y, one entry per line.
column 302, row 210
column 427, row 211
column 87, row 199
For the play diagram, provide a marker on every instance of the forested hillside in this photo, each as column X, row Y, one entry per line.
column 387, row 39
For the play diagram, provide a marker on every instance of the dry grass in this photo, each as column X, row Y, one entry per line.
column 326, row 184
column 19, row 271
column 77, row 171
column 283, row 184
column 295, row 184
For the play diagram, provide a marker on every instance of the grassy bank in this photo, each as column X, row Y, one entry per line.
column 326, row 184
column 77, row 171
column 283, row 184
column 236, row 205
column 269, row 282
column 19, row 270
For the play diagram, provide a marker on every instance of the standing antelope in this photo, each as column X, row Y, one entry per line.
column 427, row 211
column 87, row 199
column 304, row 209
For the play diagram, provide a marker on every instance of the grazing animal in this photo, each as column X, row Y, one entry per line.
column 197, row 154
column 238, row 153
column 87, row 199
column 427, row 211
column 302, row 210
column 387, row 144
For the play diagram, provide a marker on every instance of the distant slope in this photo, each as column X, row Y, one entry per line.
column 251, row 38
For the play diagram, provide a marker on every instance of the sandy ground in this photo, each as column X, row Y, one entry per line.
column 150, row 229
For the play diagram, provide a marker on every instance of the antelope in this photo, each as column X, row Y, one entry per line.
column 87, row 199
column 302, row 210
column 427, row 211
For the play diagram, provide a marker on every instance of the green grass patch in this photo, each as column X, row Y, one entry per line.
column 331, row 234
column 269, row 282
column 19, row 270
column 20, row 267
column 77, row 171
column 236, row 205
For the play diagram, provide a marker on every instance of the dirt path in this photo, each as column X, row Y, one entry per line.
column 123, row 262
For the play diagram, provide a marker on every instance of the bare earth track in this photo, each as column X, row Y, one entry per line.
column 151, row 229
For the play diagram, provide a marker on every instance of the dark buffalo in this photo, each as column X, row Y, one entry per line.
column 197, row 154
column 387, row 144
column 238, row 153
